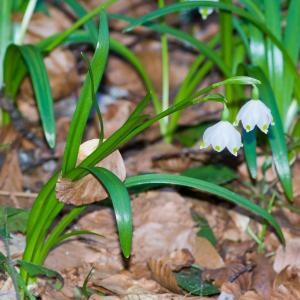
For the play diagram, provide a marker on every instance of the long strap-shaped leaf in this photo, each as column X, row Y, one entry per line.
column 5, row 32
column 276, row 134
column 85, row 101
column 152, row 179
column 34, row 62
column 121, row 201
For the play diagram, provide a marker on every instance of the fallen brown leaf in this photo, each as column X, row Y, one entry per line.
column 232, row 273
column 263, row 275
column 288, row 256
column 206, row 254
column 286, row 285
column 11, row 179
column 88, row 189
column 250, row 295
column 162, row 268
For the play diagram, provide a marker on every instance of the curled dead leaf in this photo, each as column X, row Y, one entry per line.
column 162, row 268
column 88, row 189
column 286, row 285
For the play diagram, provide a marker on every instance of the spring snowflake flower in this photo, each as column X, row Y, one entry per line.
column 255, row 113
column 205, row 11
column 222, row 135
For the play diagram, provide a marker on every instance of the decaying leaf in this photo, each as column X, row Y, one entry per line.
column 251, row 296
column 234, row 272
column 11, row 179
column 124, row 284
column 286, row 285
column 288, row 256
column 206, row 254
column 263, row 275
column 88, row 189
column 163, row 267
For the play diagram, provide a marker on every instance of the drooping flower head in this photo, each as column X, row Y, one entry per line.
column 205, row 11
column 220, row 136
column 255, row 113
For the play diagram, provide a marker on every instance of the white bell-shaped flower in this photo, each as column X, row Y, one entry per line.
column 205, row 11
column 255, row 113
column 222, row 135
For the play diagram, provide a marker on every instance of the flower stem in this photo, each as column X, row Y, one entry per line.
column 25, row 22
column 165, row 74
column 263, row 232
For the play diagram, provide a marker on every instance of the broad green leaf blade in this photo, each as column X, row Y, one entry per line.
column 56, row 235
column 16, row 218
column 190, row 280
column 276, row 133
column 204, row 230
column 121, row 202
column 217, row 174
column 291, row 41
column 80, row 11
column 274, row 55
column 41, row 85
column 204, row 186
column 85, row 101
column 249, row 143
column 35, row 270
column 5, row 32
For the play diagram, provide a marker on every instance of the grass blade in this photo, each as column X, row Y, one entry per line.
column 151, row 179
column 121, row 202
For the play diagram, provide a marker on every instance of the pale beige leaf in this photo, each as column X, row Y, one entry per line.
column 206, row 254
column 88, row 189
column 288, row 256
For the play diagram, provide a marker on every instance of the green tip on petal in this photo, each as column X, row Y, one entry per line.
column 235, row 151
column 265, row 128
column 218, row 148
column 248, row 128
column 202, row 145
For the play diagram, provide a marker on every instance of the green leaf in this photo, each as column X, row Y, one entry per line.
column 190, row 280
column 121, row 202
column 16, row 218
column 189, row 135
column 85, row 101
column 34, row 62
column 204, row 186
column 217, row 174
column 249, row 143
column 90, row 24
column 291, row 40
column 35, row 270
column 7, row 265
column 204, row 228
column 5, row 32
column 276, row 134
column 75, row 233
